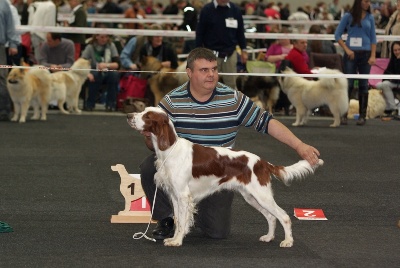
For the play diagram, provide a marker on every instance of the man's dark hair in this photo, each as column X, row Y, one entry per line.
column 55, row 36
column 199, row 53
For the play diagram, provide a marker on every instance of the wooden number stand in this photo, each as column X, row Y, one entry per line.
column 137, row 208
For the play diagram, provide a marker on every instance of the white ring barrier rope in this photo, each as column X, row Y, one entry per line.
column 172, row 33
column 355, row 76
column 153, row 16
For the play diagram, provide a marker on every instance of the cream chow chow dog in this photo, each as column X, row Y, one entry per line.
column 29, row 87
column 376, row 105
column 66, row 85
column 306, row 95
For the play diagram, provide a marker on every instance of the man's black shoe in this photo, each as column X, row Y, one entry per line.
column 165, row 229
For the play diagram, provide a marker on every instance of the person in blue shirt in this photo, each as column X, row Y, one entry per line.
column 7, row 34
column 131, row 52
column 359, row 48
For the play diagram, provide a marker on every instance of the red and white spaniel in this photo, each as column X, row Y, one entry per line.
column 189, row 172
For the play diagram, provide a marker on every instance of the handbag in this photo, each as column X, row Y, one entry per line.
column 130, row 86
column 256, row 66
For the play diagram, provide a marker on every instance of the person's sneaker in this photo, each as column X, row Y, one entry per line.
column 361, row 121
column 164, row 229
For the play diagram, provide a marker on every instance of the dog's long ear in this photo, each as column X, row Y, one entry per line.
column 166, row 135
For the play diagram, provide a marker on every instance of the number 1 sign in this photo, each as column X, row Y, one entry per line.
column 309, row 214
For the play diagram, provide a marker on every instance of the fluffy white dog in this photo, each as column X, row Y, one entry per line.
column 376, row 105
column 306, row 95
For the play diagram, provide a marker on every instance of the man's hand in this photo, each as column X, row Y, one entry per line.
column 244, row 56
column 350, row 54
column 90, row 77
column 12, row 51
column 308, row 153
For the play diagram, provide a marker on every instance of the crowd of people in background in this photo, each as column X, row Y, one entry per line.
column 126, row 52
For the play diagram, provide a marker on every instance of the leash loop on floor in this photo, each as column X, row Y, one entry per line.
column 140, row 235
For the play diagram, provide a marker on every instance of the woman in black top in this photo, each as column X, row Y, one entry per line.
column 388, row 85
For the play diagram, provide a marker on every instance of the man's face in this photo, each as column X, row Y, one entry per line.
column 204, row 74
column 222, row 2
column 73, row 3
column 52, row 42
column 300, row 45
column 156, row 41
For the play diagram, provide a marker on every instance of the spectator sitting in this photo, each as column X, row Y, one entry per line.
column 130, row 54
column 57, row 52
column 271, row 13
column 171, row 8
column 103, row 55
column 110, row 8
column 278, row 51
column 163, row 51
column 300, row 15
column 387, row 86
column 319, row 46
column 135, row 12
column 392, row 28
column 298, row 57
column 149, row 7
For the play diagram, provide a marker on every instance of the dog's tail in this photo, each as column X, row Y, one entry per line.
column 333, row 83
column 296, row 171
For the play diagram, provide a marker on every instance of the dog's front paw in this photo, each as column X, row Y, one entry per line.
column 267, row 238
column 22, row 120
column 172, row 242
column 286, row 243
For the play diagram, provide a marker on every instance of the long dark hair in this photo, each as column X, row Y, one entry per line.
column 315, row 45
column 392, row 56
column 356, row 12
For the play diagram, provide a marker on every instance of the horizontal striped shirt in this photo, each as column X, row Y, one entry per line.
column 215, row 122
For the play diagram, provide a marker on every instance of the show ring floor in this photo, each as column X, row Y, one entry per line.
column 58, row 192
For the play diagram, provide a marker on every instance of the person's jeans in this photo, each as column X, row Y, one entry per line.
column 387, row 89
column 358, row 65
column 5, row 101
column 111, row 80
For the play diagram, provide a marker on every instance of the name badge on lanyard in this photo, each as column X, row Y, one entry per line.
column 356, row 42
column 231, row 23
